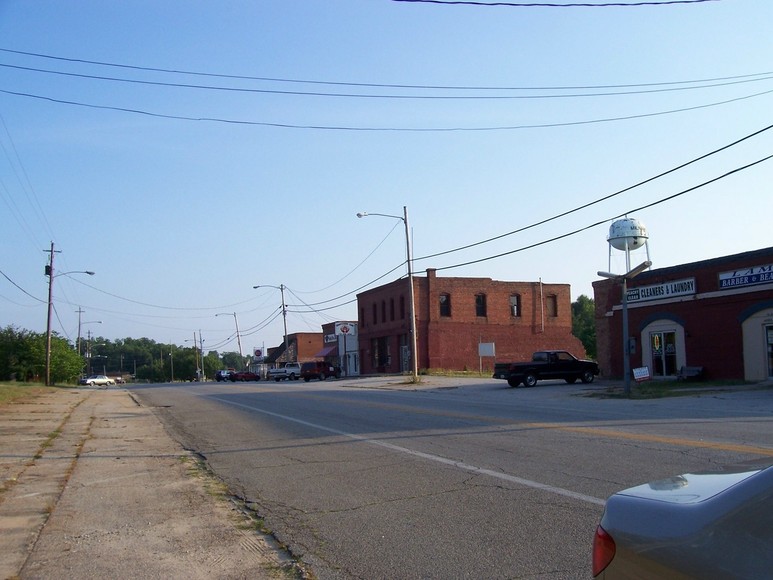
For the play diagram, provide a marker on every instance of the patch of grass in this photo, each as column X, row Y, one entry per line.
column 47, row 443
column 14, row 392
column 461, row 374
column 664, row 389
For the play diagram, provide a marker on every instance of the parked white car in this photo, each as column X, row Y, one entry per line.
column 97, row 381
column 290, row 371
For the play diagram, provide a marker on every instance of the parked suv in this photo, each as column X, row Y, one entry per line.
column 319, row 370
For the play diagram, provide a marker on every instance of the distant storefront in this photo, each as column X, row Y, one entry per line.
column 716, row 314
column 341, row 347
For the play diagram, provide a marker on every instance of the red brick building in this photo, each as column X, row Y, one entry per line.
column 301, row 347
column 716, row 314
column 455, row 315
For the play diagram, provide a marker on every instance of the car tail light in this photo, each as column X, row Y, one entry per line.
column 603, row 550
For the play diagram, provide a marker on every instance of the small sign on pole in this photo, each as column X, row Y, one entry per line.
column 485, row 349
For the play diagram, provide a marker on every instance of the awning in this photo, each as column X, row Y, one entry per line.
column 327, row 351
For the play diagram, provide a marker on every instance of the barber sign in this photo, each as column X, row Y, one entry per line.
column 345, row 328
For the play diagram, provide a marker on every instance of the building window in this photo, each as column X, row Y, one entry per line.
column 480, row 305
column 375, row 313
column 515, row 305
column 445, row 305
column 551, row 305
column 362, row 317
column 383, row 311
column 392, row 309
column 402, row 307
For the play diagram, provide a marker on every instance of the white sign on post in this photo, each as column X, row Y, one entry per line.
column 486, row 349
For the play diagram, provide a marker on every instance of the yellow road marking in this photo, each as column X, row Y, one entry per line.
column 597, row 431
column 613, row 434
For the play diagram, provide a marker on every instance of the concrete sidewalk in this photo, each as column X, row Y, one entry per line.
column 93, row 487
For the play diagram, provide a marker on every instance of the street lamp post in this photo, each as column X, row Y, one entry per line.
column 89, row 355
column 409, row 257
column 626, row 345
column 79, row 328
column 238, row 338
column 198, row 347
column 281, row 289
column 51, row 276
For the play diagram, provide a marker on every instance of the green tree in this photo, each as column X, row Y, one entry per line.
column 66, row 363
column 23, row 357
column 584, row 323
column 17, row 355
column 212, row 363
column 233, row 360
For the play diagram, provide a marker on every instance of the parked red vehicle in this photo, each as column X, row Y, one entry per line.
column 244, row 376
column 319, row 370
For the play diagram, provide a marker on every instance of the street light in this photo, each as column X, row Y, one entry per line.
column 281, row 288
column 409, row 256
column 200, row 370
column 50, row 273
column 238, row 339
column 89, row 355
column 626, row 347
column 79, row 328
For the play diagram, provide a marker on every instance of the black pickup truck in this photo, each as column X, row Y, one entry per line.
column 547, row 364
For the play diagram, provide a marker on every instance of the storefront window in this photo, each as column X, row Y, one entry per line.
column 769, row 335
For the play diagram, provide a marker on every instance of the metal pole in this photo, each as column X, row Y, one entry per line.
column 201, row 342
column 414, row 351
column 239, row 342
column 196, row 352
column 79, row 311
column 284, row 316
column 626, row 350
column 50, row 313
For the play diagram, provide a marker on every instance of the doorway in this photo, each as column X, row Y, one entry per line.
column 663, row 349
column 769, row 336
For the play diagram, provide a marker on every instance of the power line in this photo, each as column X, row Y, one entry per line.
column 605, row 198
column 20, row 288
column 383, row 85
column 385, row 129
column 607, row 93
column 554, row 5
column 598, row 223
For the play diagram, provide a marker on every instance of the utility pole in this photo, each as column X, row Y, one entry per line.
column 50, row 274
column 201, row 341
column 284, row 319
column 79, row 311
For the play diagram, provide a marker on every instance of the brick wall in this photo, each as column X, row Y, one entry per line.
column 711, row 318
column 452, row 342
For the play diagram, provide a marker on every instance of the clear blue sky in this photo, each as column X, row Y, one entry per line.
column 182, row 198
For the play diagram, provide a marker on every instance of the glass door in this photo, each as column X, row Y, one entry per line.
column 663, row 347
column 769, row 335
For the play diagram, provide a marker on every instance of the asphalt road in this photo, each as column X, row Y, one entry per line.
column 451, row 480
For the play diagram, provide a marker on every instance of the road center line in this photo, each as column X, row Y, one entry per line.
column 430, row 457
